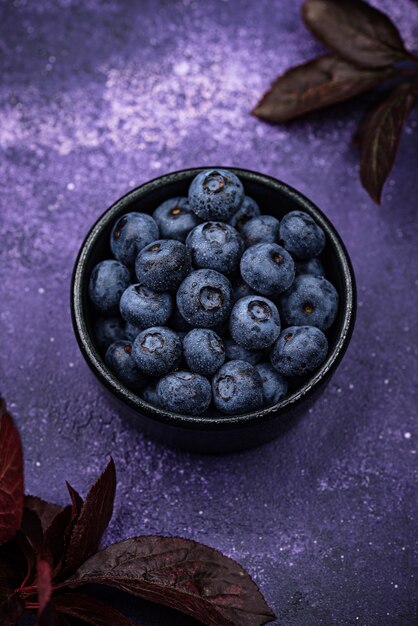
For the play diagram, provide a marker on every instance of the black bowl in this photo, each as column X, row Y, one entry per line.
column 220, row 433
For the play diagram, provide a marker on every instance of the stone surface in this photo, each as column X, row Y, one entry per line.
column 98, row 96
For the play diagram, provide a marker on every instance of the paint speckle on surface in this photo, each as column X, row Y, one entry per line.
column 100, row 96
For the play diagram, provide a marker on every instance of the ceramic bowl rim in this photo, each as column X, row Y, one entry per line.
column 96, row 363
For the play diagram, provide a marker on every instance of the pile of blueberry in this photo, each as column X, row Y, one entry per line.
column 208, row 301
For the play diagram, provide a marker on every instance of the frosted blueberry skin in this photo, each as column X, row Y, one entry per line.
column 235, row 352
column 263, row 229
column 108, row 280
column 313, row 267
column 216, row 246
column 120, row 360
column 268, row 268
column 237, row 388
column 274, row 384
column 131, row 331
column 181, row 335
column 130, row 234
column 299, row 350
column 301, row 235
column 144, row 307
column 254, row 322
column 203, row 351
column 204, row 298
column 175, row 219
column 178, row 323
column 184, row 392
column 310, row 301
column 216, row 195
column 241, row 289
column 150, row 395
column 163, row 264
column 248, row 209
column 108, row 330
column 157, row 350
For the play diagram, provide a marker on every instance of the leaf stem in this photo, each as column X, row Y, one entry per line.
column 28, row 573
column 32, row 605
column 27, row 591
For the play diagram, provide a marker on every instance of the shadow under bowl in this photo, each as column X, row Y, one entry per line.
column 219, row 433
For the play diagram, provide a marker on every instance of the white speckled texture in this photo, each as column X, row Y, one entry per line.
column 98, row 96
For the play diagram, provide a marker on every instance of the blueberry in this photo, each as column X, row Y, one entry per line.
column 299, row 350
column 204, row 298
column 241, row 289
column 157, row 350
column 268, row 268
column 130, row 234
column 235, row 352
column 175, row 219
column 184, row 392
column 107, row 330
column 254, row 322
column 237, row 388
column 263, row 229
column 108, row 281
column 144, row 307
column 163, row 264
column 310, row 301
column 274, row 384
column 150, row 395
column 131, row 331
column 181, row 335
column 119, row 359
column 178, row 323
column 216, row 194
column 203, row 351
column 301, row 235
column 248, row 209
column 216, row 246
column 313, row 267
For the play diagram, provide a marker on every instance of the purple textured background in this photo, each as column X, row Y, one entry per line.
column 99, row 96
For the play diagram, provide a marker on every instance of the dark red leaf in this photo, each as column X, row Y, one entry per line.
column 181, row 574
column 31, row 527
column 46, row 510
column 11, row 607
column 13, row 566
column 56, row 533
column 76, row 500
column 47, row 615
column 93, row 520
column 8, row 569
column 30, row 539
column 26, row 554
column 44, row 584
column 316, row 84
column 59, row 533
column 57, row 524
column 76, row 508
column 380, row 136
column 90, row 610
column 356, row 31
column 11, row 476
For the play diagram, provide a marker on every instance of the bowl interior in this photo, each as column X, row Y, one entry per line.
column 275, row 198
